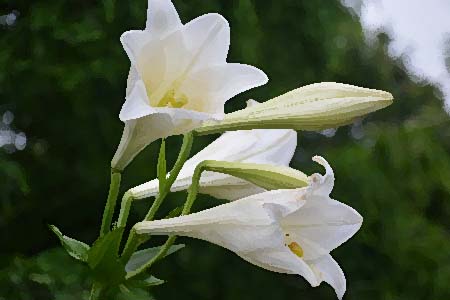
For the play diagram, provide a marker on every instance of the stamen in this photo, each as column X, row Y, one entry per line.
column 296, row 249
column 170, row 99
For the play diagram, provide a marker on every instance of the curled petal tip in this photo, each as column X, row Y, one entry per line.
column 323, row 162
column 323, row 183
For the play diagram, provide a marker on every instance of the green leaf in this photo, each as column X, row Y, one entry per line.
column 162, row 165
column 143, row 282
column 76, row 249
column 103, row 258
column 139, row 258
column 126, row 292
column 151, row 281
column 269, row 177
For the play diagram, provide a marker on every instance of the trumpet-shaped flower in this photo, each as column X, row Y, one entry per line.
column 179, row 77
column 286, row 231
column 264, row 146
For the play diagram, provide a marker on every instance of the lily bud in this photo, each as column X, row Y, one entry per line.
column 313, row 107
column 269, row 177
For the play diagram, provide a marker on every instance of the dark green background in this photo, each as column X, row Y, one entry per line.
column 63, row 74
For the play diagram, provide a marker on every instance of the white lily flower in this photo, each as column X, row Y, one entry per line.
column 285, row 231
column 263, row 146
column 179, row 77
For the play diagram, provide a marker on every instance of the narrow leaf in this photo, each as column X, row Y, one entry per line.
column 103, row 258
column 162, row 165
column 107, row 245
column 76, row 249
column 139, row 258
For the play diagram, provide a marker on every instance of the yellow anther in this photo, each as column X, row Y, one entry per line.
column 296, row 249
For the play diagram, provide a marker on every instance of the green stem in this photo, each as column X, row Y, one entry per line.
column 95, row 291
column 125, row 206
column 162, row 252
column 134, row 241
column 193, row 189
column 192, row 195
column 110, row 202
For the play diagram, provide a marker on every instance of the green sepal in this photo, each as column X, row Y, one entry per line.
column 141, row 257
column 74, row 248
column 103, row 258
column 269, row 177
column 162, row 165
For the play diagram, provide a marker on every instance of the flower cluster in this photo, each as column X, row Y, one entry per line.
column 277, row 217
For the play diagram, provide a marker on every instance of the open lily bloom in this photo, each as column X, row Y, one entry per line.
column 286, row 231
column 179, row 77
column 264, row 146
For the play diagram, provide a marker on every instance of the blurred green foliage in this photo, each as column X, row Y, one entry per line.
column 63, row 75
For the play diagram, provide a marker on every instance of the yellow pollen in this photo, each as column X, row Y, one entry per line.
column 296, row 249
column 170, row 99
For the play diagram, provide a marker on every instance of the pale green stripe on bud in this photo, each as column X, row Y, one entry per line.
column 269, row 177
column 313, row 107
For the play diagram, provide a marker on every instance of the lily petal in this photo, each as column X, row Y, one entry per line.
column 213, row 86
column 133, row 41
column 322, row 185
column 323, row 225
column 162, row 17
column 208, row 40
column 282, row 260
column 135, row 105
column 328, row 270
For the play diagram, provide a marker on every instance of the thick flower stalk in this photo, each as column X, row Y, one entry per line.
column 287, row 231
column 179, row 77
column 263, row 146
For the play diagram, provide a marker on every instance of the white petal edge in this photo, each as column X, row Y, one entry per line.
column 282, row 260
column 133, row 41
column 208, row 39
column 162, row 17
column 328, row 270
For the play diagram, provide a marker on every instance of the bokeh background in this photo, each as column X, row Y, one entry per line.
column 62, row 83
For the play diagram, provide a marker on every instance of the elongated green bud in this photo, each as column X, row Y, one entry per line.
column 269, row 177
column 313, row 107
